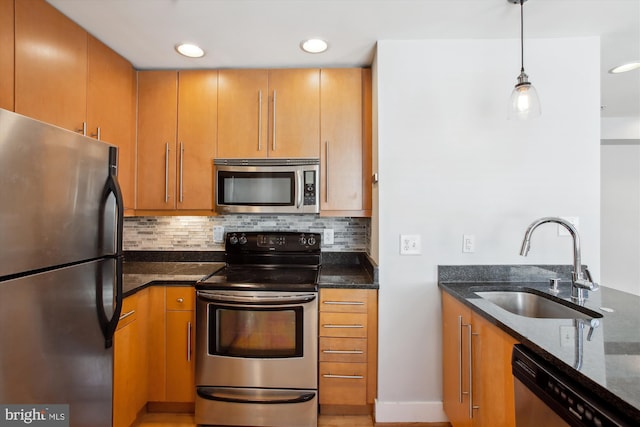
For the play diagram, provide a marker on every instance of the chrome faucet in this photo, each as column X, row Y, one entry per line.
column 580, row 281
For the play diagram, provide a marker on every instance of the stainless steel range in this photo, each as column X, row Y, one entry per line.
column 256, row 333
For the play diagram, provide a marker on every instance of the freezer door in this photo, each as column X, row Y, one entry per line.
column 53, row 348
column 53, row 208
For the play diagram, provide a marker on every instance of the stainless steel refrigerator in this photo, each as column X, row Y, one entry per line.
column 60, row 269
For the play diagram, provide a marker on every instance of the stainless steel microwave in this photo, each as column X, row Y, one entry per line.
column 267, row 186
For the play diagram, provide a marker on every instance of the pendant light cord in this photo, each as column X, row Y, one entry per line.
column 521, row 37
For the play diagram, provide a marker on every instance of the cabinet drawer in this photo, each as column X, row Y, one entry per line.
column 343, row 383
column 128, row 312
column 343, row 325
column 344, row 300
column 180, row 298
column 350, row 350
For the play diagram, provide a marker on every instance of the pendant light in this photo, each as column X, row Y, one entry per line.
column 524, row 102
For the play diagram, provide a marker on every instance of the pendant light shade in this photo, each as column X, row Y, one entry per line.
column 524, row 102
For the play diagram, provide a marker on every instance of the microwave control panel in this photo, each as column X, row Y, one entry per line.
column 310, row 193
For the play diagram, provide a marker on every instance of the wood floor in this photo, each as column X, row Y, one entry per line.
column 186, row 420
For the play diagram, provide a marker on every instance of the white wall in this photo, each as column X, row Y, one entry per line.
column 620, row 210
column 450, row 163
column 624, row 128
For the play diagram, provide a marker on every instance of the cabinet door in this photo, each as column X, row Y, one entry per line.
column 157, row 125
column 111, row 109
column 124, row 364
column 456, row 321
column 343, row 152
column 50, row 65
column 197, row 130
column 242, row 113
column 492, row 381
column 180, row 361
column 294, row 113
column 157, row 345
column 6, row 54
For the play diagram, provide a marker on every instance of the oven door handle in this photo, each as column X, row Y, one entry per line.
column 265, row 397
column 266, row 300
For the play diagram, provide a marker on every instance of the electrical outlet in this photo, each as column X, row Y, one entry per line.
column 327, row 238
column 410, row 244
column 567, row 336
column 218, row 234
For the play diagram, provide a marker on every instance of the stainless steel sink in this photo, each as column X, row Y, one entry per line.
column 537, row 305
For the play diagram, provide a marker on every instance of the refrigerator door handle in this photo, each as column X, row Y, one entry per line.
column 107, row 325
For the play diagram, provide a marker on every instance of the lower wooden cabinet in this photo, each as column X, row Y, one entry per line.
column 129, row 361
column 477, row 379
column 180, row 344
column 153, row 353
column 347, row 350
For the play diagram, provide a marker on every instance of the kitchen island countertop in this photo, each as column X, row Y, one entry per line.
column 606, row 361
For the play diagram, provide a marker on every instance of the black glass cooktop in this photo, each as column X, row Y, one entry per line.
column 263, row 278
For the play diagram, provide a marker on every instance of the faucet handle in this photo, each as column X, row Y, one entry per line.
column 553, row 285
column 593, row 285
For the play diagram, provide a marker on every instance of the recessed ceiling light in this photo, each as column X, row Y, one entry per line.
column 190, row 50
column 314, row 45
column 625, row 67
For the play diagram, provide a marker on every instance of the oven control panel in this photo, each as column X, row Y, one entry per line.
column 290, row 241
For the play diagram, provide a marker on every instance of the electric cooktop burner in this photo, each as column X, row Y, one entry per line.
column 276, row 261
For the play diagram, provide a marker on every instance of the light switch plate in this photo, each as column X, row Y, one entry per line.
column 410, row 244
column 468, row 243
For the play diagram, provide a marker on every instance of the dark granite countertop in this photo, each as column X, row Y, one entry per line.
column 137, row 275
column 607, row 365
column 339, row 270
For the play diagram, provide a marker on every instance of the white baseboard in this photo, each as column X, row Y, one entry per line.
column 409, row 412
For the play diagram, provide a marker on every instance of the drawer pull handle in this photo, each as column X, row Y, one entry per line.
column 343, row 351
column 343, row 302
column 343, row 326
column 127, row 314
column 346, row 377
column 180, row 300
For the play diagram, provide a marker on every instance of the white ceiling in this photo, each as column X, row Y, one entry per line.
column 267, row 33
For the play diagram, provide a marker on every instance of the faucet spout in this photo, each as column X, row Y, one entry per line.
column 579, row 282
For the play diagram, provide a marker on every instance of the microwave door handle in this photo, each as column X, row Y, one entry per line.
column 300, row 188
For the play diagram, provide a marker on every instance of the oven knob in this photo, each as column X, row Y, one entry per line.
column 311, row 241
column 243, row 239
column 302, row 240
column 233, row 239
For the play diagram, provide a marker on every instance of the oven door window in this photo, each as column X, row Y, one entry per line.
column 256, row 188
column 255, row 332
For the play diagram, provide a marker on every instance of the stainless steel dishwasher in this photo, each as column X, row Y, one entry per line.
column 543, row 397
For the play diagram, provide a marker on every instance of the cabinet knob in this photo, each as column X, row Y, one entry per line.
column 180, row 300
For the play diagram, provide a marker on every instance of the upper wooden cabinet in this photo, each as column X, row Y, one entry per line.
column 176, row 139
column 6, row 54
column 268, row 113
column 50, row 65
column 157, row 127
column 345, row 142
column 197, row 131
column 111, row 109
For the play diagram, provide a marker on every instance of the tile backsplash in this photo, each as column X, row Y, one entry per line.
column 180, row 233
